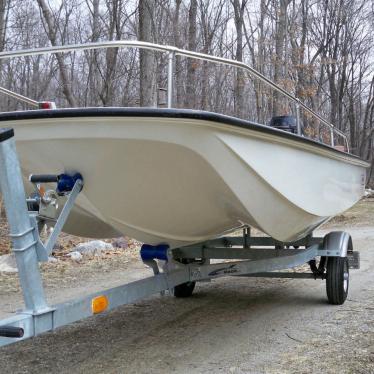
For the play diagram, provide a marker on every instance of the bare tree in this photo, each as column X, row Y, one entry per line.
column 279, row 58
column 51, row 30
column 191, row 64
column 92, row 56
column 147, row 59
column 4, row 13
column 239, row 7
column 177, row 42
column 210, row 18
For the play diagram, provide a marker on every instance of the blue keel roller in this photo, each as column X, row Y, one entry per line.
column 65, row 182
column 154, row 252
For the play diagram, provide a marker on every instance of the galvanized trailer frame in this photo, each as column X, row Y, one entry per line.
column 253, row 256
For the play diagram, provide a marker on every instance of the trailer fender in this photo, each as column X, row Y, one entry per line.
column 337, row 244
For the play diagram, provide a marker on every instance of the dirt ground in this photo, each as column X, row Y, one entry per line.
column 230, row 325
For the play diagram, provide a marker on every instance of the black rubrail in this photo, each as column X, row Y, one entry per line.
column 163, row 113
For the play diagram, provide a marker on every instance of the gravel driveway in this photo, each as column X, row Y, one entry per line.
column 228, row 326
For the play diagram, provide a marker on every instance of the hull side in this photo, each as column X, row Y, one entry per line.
column 180, row 181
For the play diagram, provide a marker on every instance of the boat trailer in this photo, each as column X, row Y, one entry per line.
column 181, row 267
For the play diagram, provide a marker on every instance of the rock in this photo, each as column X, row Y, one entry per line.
column 8, row 264
column 121, row 242
column 93, row 248
column 76, row 256
column 58, row 247
column 369, row 193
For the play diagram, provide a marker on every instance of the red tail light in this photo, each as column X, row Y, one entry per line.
column 47, row 105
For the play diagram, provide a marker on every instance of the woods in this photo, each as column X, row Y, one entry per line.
column 320, row 51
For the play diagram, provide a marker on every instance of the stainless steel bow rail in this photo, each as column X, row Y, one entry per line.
column 183, row 267
column 172, row 52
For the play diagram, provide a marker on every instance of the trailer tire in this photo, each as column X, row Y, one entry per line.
column 184, row 289
column 337, row 280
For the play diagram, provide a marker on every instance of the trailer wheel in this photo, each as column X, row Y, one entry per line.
column 184, row 289
column 337, row 280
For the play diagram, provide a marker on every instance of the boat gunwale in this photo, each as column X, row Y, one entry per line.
column 171, row 113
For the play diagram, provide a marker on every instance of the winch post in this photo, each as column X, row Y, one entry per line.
column 21, row 229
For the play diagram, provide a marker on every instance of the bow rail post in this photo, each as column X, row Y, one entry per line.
column 171, row 59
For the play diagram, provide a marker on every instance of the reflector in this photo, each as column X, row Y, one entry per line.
column 99, row 304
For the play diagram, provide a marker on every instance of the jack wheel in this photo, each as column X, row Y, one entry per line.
column 337, row 280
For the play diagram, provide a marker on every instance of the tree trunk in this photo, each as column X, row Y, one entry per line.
column 239, row 83
column 107, row 93
column 93, row 75
column 178, row 60
column 260, row 96
column 191, row 64
column 4, row 8
column 280, row 38
column 147, row 58
column 51, row 28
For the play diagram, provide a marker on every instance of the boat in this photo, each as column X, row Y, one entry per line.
column 179, row 176
column 179, row 181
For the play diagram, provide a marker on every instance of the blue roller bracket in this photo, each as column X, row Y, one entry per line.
column 153, row 252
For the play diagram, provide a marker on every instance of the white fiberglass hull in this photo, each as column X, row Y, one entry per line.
column 182, row 179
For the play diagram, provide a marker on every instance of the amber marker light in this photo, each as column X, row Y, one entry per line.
column 99, row 304
column 41, row 190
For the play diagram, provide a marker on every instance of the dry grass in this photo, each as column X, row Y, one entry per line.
column 362, row 214
column 4, row 238
column 65, row 272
